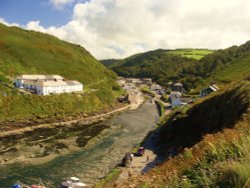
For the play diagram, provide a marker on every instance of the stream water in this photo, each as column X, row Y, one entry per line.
column 94, row 161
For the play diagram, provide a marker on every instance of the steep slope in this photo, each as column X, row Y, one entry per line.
column 209, row 143
column 29, row 52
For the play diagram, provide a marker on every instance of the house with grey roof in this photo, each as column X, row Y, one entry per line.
column 208, row 90
column 178, row 87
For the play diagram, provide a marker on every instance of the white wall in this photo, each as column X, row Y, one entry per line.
column 58, row 89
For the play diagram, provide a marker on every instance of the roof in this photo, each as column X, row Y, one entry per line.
column 178, row 84
column 39, row 77
column 73, row 82
column 74, row 178
column 43, row 83
column 215, row 87
column 175, row 95
column 212, row 87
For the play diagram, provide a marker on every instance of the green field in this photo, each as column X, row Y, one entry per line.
column 192, row 53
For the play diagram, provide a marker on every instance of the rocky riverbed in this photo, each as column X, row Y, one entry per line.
column 86, row 151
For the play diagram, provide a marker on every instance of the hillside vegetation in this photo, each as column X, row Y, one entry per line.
column 160, row 65
column 222, row 66
column 29, row 52
column 216, row 136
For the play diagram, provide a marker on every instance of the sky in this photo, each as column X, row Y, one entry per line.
column 120, row 28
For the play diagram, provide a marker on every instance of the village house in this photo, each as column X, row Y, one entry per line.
column 176, row 99
column 207, row 91
column 178, row 87
column 47, row 84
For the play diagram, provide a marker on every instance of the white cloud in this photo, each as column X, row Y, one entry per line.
column 3, row 21
column 35, row 25
column 59, row 4
column 119, row 28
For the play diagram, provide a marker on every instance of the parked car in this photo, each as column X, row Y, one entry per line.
column 140, row 151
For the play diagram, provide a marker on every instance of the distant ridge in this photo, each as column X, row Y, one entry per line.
column 195, row 68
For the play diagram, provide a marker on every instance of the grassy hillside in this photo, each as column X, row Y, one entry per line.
column 195, row 68
column 161, row 65
column 215, row 136
column 29, row 52
column 223, row 66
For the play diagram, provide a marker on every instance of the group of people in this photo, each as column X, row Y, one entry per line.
column 127, row 159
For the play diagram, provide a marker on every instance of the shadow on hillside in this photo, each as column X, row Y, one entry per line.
column 185, row 130
column 212, row 115
column 151, row 144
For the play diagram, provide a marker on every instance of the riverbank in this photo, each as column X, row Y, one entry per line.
column 70, row 123
column 99, row 148
column 41, row 149
column 136, row 101
column 15, row 148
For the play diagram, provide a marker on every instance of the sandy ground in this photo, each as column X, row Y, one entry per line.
column 142, row 164
column 139, row 165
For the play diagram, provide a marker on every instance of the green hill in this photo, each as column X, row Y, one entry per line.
column 29, row 52
column 222, row 66
column 209, row 143
column 161, row 65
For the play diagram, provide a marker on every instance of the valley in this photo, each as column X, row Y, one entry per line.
column 180, row 116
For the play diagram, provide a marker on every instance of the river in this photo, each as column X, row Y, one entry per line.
column 92, row 162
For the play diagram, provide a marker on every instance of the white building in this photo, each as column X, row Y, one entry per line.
column 175, row 99
column 47, row 84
